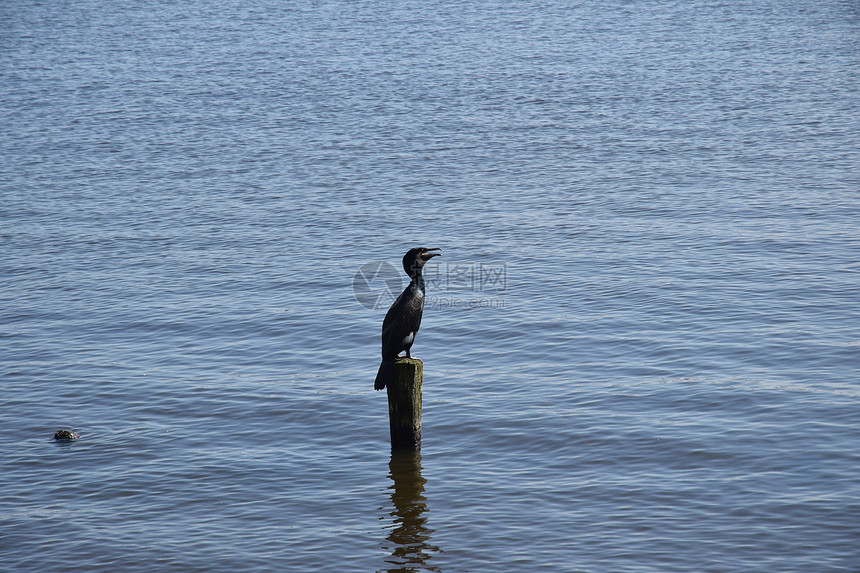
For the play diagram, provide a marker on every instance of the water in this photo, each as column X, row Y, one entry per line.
column 641, row 345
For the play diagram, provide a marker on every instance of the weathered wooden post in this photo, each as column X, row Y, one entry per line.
column 404, row 403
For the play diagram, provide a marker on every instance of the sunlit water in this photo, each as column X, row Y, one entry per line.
column 640, row 346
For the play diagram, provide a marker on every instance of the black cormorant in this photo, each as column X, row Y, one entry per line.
column 404, row 317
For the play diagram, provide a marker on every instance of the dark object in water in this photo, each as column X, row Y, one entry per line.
column 66, row 435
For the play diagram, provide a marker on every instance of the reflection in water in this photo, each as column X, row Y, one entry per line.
column 410, row 539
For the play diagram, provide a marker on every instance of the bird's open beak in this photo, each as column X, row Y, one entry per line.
column 427, row 255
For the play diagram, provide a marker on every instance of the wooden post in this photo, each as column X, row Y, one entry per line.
column 404, row 404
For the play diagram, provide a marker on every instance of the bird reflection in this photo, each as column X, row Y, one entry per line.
column 410, row 539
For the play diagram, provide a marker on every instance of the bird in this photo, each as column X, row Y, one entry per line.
column 403, row 319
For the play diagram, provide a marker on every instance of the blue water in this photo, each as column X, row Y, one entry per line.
column 640, row 345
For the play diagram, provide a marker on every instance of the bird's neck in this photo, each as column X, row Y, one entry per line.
column 418, row 281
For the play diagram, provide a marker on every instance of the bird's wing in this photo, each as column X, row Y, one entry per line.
column 392, row 329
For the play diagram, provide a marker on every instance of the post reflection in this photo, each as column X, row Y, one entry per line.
column 410, row 539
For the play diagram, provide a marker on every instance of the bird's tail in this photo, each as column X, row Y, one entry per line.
column 386, row 370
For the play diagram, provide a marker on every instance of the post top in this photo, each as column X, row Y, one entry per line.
column 404, row 360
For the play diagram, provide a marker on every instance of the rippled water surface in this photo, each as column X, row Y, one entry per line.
column 640, row 346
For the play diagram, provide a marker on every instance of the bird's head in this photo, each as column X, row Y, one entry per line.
column 414, row 259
